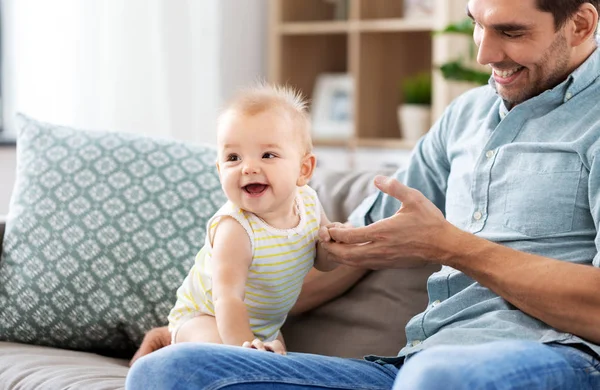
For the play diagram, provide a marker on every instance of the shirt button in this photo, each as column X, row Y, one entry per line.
column 490, row 154
column 477, row 215
column 415, row 343
column 436, row 302
column 568, row 96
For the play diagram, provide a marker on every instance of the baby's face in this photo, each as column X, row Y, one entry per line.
column 259, row 161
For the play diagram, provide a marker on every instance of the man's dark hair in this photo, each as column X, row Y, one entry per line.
column 562, row 10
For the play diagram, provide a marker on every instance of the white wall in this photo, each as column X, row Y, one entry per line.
column 243, row 33
column 159, row 67
column 7, row 176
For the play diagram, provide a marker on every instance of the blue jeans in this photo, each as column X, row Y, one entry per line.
column 498, row 365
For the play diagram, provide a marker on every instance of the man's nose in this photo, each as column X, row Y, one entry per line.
column 489, row 51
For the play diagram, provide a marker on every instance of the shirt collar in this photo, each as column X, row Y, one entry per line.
column 585, row 74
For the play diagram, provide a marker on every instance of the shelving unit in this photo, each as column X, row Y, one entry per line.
column 376, row 45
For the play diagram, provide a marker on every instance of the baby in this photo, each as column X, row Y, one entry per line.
column 261, row 244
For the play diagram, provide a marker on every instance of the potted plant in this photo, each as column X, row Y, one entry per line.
column 414, row 111
column 463, row 69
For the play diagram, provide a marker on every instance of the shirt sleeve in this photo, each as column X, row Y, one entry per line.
column 427, row 171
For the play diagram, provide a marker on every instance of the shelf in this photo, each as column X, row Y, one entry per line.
column 314, row 28
column 343, row 27
column 332, row 142
column 385, row 143
column 395, row 25
column 379, row 43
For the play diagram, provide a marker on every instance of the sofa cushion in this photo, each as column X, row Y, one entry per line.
column 102, row 229
column 370, row 317
column 29, row 367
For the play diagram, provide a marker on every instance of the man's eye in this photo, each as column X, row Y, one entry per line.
column 268, row 155
column 232, row 157
column 511, row 35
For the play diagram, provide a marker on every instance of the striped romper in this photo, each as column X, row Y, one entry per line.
column 281, row 258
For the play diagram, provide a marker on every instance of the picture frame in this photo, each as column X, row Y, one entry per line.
column 418, row 9
column 332, row 106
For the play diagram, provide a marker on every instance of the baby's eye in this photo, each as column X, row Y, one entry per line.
column 233, row 157
column 268, row 155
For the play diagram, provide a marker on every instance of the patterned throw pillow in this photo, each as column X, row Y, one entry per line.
column 102, row 229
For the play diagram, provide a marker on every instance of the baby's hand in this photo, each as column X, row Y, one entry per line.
column 269, row 346
column 324, row 231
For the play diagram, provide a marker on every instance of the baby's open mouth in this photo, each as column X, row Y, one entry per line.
column 255, row 188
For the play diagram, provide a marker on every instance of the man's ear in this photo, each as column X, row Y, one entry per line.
column 583, row 24
column 307, row 168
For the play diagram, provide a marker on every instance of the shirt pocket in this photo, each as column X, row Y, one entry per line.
column 542, row 192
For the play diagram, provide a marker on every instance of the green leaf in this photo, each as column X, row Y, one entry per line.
column 465, row 26
column 457, row 71
column 417, row 89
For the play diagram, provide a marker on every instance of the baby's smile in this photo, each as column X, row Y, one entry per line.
column 255, row 189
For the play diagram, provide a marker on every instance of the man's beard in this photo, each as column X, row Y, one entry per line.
column 559, row 52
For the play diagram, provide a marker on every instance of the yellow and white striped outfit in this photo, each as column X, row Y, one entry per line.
column 281, row 258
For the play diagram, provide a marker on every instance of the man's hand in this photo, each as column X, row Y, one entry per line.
column 407, row 239
column 154, row 340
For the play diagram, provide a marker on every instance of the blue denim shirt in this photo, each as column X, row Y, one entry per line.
column 528, row 178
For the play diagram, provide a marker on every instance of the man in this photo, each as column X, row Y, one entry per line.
column 504, row 193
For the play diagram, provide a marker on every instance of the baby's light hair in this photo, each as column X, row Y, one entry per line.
column 263, row 97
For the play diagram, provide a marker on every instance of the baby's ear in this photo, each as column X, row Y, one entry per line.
column 306, row 169
column 218, row 167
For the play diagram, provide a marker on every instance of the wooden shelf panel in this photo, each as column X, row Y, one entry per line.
column 304, row 57
column 385, row 143
column 345, row 143
column 376, row 9
column 306, row 10
column 385, row 60
column 343, row 27
column 397, row 25
column 314, row 28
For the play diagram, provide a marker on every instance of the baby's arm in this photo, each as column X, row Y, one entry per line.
column 321, row 262
column 231, row 260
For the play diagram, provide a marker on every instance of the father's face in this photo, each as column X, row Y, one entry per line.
column 520, row 43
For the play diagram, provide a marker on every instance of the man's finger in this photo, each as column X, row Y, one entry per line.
column 353, row 235
column 394, row 188
column 353, row 255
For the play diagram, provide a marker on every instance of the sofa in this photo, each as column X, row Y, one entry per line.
column 369, row 318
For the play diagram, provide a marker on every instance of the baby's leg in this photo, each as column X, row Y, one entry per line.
column 202, row 328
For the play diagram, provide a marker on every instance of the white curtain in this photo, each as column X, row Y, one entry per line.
column 145, row 66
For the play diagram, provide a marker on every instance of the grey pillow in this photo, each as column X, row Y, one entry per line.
column 102, row 229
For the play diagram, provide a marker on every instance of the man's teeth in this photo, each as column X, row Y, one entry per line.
column 507, row 73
